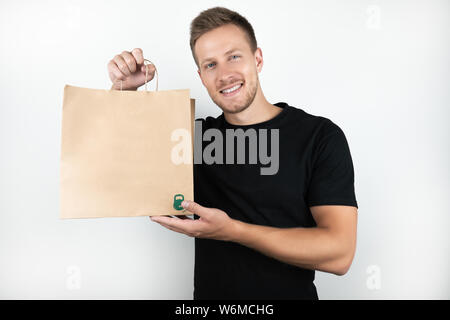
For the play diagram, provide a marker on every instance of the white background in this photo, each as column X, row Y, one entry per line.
column 378, row 69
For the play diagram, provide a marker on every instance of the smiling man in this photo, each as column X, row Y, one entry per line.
column 259, row 236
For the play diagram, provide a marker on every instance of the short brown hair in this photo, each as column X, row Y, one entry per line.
column 216, row 17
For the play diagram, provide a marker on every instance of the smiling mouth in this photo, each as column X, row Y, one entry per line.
column 232, row 91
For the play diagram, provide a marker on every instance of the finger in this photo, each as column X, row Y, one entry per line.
column 114, row 72
column 121, row 64
column 195, row 208
column 164, row 219
column 182, row 224
column 153, row 217
column 170, row 223
column 165, row 225
column 129, row 60
column 151, row 70
column 138, row 55
column 176, row 229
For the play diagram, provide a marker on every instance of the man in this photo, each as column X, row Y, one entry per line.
column 259, row 236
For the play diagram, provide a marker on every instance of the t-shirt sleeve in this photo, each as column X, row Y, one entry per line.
column 332, row 178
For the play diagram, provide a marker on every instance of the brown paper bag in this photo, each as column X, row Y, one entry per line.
column 117, row 152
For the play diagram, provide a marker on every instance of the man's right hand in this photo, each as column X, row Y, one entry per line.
column 129, row 67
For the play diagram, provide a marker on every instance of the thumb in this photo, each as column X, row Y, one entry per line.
column 194, row 207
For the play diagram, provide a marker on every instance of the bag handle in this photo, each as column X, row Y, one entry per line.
column 146, row 75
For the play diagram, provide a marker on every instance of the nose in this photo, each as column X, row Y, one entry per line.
column 225, row 76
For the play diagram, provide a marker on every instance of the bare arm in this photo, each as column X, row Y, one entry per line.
column 329, row 247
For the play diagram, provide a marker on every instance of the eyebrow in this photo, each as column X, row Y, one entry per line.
column 226, row 53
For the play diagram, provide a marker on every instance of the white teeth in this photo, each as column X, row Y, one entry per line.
column 232, row 89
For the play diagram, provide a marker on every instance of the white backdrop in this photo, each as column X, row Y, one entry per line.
column 378, row 69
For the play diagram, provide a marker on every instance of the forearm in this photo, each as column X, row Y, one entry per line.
column 311, row 248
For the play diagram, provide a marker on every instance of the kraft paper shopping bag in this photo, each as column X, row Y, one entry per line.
column 117, row 152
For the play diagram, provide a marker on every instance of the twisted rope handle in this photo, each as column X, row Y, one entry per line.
column 146, row 76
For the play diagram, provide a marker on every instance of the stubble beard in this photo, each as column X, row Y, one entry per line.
column 236, row 107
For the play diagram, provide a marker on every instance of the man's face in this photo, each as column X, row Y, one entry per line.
column 220, row 68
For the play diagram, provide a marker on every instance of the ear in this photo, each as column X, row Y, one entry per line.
column 259, row 59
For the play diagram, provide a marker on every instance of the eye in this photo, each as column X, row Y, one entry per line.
column 212, row 63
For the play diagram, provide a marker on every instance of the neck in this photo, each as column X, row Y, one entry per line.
column 258, row 111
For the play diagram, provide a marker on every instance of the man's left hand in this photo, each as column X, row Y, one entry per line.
column 212, row 224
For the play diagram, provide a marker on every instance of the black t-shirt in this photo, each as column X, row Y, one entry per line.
column 315, row 168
